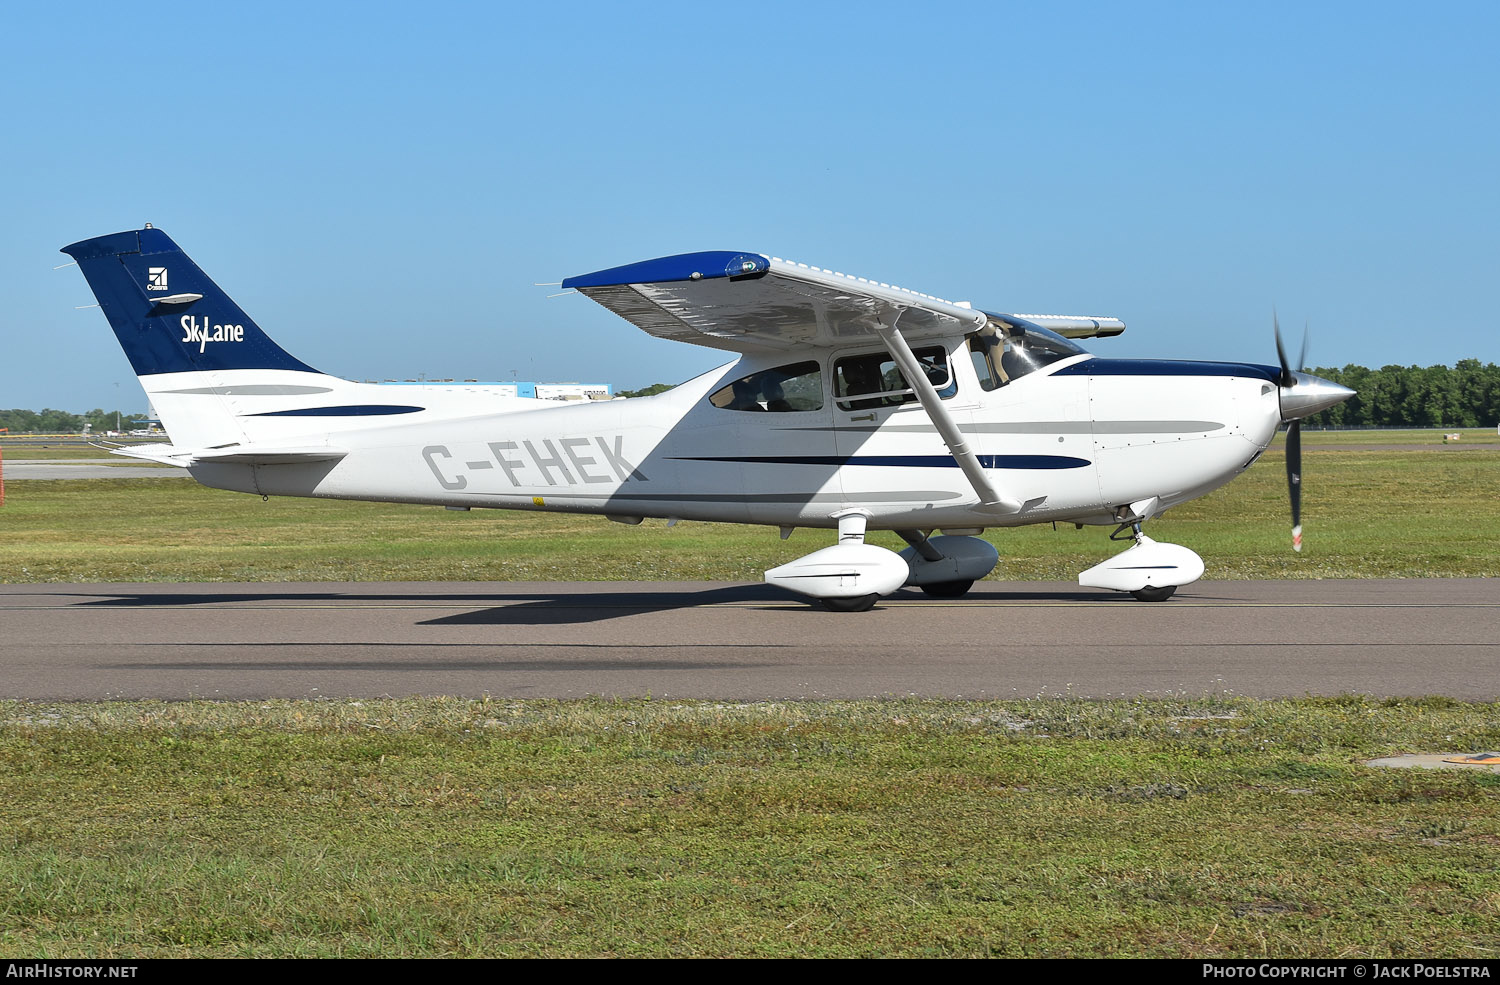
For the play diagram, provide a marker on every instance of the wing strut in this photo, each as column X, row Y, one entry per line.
column 989, row 497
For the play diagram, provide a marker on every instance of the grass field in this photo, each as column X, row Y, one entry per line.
column 1369, row 512
column 1420, row 436
column 1051, row 827
column 36, row 450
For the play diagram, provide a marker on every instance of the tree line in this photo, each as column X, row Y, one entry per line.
column 648, row 391
column 49, row 421
column 1466, row 395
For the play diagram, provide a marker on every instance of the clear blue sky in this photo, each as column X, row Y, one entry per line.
column 379, row 185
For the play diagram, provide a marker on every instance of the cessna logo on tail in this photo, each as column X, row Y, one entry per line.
column 156, row 278
column 205, row 333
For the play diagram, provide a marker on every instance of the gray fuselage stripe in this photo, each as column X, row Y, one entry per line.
column 1039, row 427
column 255, row 390
column 909, row 496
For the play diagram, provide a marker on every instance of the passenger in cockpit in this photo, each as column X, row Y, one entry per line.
column 859, row 377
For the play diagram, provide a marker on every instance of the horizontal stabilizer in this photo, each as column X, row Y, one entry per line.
column 233, row 454
column 158, row 452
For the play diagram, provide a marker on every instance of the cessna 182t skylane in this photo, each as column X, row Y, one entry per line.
column 853, row 405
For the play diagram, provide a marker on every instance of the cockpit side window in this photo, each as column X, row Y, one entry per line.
column 876, row 380
column 1012, row 351
column 784, row 389
column 979, row 355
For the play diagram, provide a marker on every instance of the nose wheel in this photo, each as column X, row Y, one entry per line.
column 860, row 603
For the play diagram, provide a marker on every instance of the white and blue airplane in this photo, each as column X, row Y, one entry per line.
column 853, row 405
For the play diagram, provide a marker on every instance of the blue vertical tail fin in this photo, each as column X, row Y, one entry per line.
column 166, row 312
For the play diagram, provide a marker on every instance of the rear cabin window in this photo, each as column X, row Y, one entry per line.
column 873, row 380
column 798, row 386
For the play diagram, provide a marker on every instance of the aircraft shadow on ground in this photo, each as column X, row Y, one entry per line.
column 402, row 660
column 516, row 608
column 566, row 608
column 533, row 608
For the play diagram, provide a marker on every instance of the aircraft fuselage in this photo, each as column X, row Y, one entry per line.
column 1073, row 441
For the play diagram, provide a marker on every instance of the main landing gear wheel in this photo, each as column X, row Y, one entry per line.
column 1154, row 594
column 947, row 589
column 860, row 603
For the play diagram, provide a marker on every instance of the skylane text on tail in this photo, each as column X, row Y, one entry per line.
column 852, row 405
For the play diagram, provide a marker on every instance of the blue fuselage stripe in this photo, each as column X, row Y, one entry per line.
column 349, row 410
column 906, row 461
column 1168, row 367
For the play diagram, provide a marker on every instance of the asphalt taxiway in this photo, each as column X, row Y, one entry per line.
column 745, row 642
column 88, row 468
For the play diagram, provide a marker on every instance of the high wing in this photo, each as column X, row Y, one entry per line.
column 747, row 302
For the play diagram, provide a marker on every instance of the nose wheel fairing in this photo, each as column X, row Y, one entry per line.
column 1147, row 568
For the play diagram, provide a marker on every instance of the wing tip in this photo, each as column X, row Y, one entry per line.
column 706, row 265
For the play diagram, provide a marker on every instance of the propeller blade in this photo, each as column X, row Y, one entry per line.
column 1302, row 356
column 1286, row 370
column 1294, row 479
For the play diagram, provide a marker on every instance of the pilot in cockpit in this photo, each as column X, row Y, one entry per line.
column 746, row 396
column 775, row 397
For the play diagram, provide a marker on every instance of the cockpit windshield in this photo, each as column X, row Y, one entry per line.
column 1010, row 352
